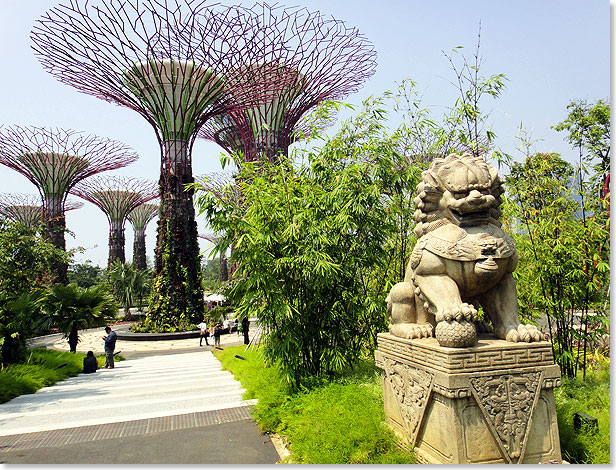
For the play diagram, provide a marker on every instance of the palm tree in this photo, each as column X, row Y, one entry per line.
column 17, row 323
column 72, row 308
column 128, row 284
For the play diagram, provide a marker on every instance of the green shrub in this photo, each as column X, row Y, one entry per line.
column 591, row 396
column 40, row 370
column 337, row 422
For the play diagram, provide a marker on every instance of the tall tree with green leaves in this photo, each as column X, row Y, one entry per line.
column 71, row 308
column 27, row 264
column 563, row 246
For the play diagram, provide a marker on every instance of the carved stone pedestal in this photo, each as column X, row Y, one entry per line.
column 490, row 403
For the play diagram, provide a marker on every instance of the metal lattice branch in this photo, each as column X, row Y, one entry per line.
column 55, row 160
column 141, row 216
column 221, row 184
column 116, row 196
column 153, row 57
column 320, row 59
column 27, row 208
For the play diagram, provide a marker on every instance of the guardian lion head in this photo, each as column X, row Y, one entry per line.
column 458, row 189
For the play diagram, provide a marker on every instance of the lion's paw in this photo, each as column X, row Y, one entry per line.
column 411, row 330
column 519, row 333
column 458, row 313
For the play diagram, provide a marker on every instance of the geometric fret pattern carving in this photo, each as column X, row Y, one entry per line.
column 507, row 402
column 427, row 353
column 412, row 389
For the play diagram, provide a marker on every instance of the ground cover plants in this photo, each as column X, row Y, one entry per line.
column 43, row 367
column 332, row 422
column 591, row 396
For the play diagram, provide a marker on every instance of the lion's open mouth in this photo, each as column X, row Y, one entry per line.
column 471, row 218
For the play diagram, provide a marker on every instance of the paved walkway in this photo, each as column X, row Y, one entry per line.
column 167, row 403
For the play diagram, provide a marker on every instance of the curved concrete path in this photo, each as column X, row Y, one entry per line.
column 167, row 403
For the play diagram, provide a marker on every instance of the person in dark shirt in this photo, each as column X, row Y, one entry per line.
column 89, row 363
column 217, row 330
column 110, row 341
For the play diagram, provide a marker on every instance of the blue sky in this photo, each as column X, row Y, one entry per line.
column 551, row 51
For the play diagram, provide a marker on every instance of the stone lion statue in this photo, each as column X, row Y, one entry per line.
column 462, row 259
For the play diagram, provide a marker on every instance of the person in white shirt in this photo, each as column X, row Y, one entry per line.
column 204, row 333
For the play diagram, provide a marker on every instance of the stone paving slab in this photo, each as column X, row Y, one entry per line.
column 92, row 340
column 234, row 442
column 60, row 437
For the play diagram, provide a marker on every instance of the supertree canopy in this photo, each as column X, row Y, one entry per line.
column 116, row 196
column 319, row 57
column 27, row 209
column 177, row 63
column 140, row 217
column 55, row 160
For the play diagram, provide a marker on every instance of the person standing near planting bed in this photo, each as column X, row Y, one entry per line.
column 110, row 341
column 203, row 333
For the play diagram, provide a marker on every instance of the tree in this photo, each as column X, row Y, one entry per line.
column 27, row 263
column 117, row 197
column 85, row 274
column 308, row 240
column 18, row 320
column 129, row 285
column 563, row 246
column 588, row 127
column 71, row 308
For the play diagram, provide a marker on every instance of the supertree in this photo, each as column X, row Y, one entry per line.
column 319, row 58
column 27, row 209
column 140, row 217
column 116, row 196
column 177, row 63
column 55, row 160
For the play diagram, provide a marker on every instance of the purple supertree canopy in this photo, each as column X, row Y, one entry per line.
column 153, row 57
column 177, row 63
column 319, row 57
column 55, row 160
column 27, row 209
column 116, row 196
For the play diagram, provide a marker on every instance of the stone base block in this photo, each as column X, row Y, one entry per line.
column 489, row 403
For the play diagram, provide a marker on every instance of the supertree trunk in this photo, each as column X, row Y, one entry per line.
column 177, row 274
column 55, row 228
column 139, row 217
column 139, row 260
column 117, row 241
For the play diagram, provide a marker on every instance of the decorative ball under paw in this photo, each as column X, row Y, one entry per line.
column 456, row 334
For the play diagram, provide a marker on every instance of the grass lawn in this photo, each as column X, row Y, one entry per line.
column 591, row 396
column 342, row 421
column 44, row 367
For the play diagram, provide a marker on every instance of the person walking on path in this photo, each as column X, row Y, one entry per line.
column 204, row 333
column 110, row 341
column 89, row 363
column 217, row 335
